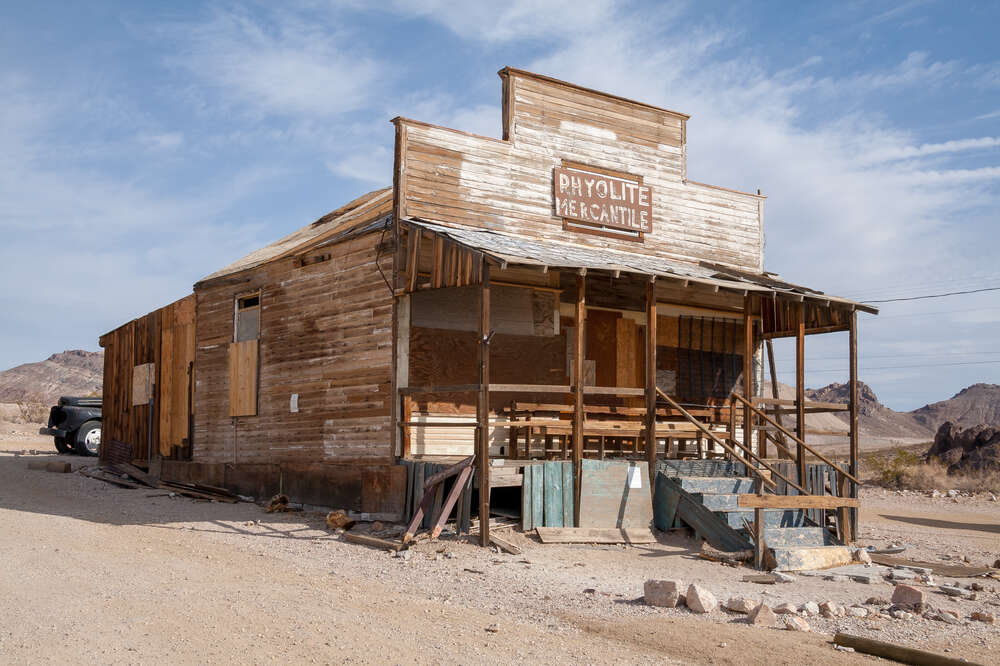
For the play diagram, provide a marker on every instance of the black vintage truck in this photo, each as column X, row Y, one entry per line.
column 75, row 423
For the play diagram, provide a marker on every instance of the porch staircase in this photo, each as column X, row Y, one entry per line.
column 703, row 495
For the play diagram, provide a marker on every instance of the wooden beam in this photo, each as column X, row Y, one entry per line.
column 774, row 388
column 748, row 380
column 651, row 379
column 751, row 501
column 483, row 411
column 900, row 653
column 831, row 406
column 852, row 364
column 800, row 389
column 581, row 321
column 809, row 331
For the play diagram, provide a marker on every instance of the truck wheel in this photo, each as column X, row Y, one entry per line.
column 88, row 439
column 62, row 446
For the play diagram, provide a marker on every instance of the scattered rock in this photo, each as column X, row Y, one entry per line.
column 795, row 623
column 763, row 616
column 338, row 520
column 952, row 591
column 953, row 493
column 843, row 648
column 662, row 593
column 947, row 617
column 786, row 609
column 740, row 605
column 900, row 614
column 861, row 555
column 857, row 611
column 983, row 616
column 782, row 577
column 810, row 608
column 830, row 609
column 908, row 595
column 876, row 601
column 701, row 600
column 493, row 628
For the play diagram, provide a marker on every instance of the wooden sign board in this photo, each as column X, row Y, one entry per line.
column 143, row 378
column 602, row 200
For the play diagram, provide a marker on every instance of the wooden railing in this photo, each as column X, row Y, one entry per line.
column 802, row 445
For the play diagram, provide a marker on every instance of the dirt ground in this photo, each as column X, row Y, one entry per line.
column 96, row 573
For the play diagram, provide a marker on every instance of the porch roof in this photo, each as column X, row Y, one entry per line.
column 507, row 249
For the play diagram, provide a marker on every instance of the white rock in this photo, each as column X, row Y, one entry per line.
column 763, row 616
column 740, row 605
column 786, row 609
column 810, row 608
column 857, row 611
column 663, row 593
column 861, row 555
column 701, row 600
column 795, row 623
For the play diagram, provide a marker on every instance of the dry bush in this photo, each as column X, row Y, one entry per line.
column 905, row 469
column 32, row 410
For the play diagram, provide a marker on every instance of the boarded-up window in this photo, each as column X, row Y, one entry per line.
column 247, row 324
column 243, row 378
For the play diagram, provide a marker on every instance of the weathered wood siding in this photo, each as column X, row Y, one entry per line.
column 176, row 367
column 163, row 340
column 326, row 335
column 455, row 177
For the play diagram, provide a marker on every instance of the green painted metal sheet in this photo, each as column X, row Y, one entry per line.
column 553, row 494
column 569, row 498
column 527, row 514
column 538, row 496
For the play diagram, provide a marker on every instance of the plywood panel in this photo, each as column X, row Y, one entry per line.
column 615, row 494
column 243, row 378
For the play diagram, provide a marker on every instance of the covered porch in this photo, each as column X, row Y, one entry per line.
column 491, row 332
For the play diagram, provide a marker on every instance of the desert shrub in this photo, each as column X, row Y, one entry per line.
column 32, row 411
column 905, row 469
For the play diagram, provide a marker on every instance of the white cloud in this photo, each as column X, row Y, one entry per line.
column 285, row 66
column 513, row 19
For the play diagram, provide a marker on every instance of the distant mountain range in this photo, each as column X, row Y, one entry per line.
column 74, row 372
column 979, row 403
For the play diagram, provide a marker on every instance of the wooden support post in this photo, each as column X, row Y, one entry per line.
column 758, row 539
column 581, row 319
column 774, row 394
column 800, row 390
column 853, row 406
column 844, row 529
column 748, row 380
column 651, row 378
column 483, row 408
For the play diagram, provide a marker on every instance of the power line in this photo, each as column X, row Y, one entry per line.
column 920, row 298
column 893, row 367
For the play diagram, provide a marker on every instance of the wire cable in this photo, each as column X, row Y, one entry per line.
column 920, row 298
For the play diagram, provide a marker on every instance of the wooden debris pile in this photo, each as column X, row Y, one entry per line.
column 127, row 475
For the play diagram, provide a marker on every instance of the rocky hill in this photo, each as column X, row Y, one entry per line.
column 74, row 372
column 976, row 404
column 876, row 419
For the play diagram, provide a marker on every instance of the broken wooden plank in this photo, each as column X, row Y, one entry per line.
column 937, row 568
column 374, row 542
column 504, row 545
column 750, row 501
column 107, row 478
column 631, row 535
column 900, row 653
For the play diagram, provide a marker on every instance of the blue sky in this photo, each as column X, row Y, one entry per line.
column 144, row 145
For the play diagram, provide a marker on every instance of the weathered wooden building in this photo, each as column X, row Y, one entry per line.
column 564, row 292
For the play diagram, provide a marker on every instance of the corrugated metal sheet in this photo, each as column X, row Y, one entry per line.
column 517, row 250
